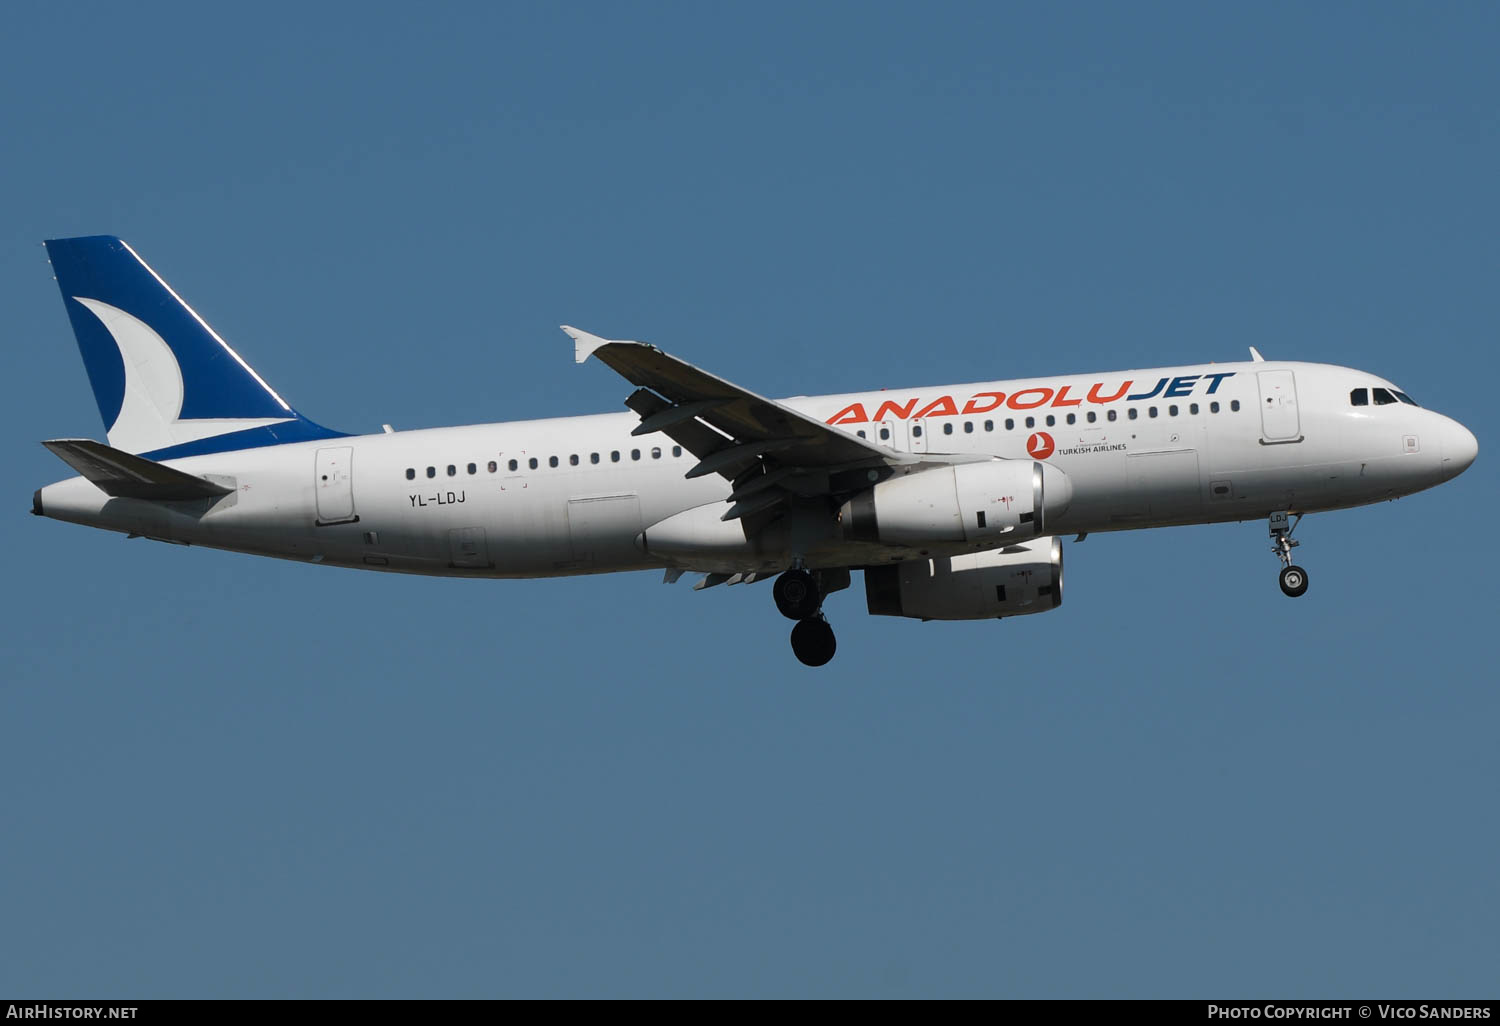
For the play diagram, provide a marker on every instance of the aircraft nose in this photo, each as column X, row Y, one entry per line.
column 1460, row 447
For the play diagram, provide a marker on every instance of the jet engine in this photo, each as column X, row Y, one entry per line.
column 1013, row 581
column 985, row 504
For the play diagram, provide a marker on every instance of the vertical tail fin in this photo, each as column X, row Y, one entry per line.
column 166, row 384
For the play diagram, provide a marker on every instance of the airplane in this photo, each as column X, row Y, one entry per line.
column 951, row 500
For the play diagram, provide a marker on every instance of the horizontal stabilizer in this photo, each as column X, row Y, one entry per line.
column 125, row 476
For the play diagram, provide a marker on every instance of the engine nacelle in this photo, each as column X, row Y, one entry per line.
column 1012, row 581
column 984, row 504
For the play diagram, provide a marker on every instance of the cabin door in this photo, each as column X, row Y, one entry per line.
column 1279, row 421
column 333, row 482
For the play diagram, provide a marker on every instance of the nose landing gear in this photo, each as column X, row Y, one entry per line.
column 799, row 596
column 1293, row 578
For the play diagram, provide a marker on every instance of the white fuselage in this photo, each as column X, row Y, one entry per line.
column 574, row 495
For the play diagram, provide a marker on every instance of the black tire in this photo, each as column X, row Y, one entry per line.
column 1293, row 581
column 813, row 641
column 796, row 594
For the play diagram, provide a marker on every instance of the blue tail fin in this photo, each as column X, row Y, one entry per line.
column 167, row 385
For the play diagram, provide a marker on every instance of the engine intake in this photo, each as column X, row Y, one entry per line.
column 1013, row 581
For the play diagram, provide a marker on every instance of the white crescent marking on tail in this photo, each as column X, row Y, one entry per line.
column 152, row 403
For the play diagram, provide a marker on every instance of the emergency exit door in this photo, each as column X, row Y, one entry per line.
column 889, row 433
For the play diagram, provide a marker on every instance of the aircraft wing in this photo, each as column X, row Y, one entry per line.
column 765, row 448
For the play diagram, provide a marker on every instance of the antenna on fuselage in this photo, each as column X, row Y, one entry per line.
column 1255, row 355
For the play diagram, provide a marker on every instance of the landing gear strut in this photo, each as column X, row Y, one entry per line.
column 799, row 596
column 1293, row 578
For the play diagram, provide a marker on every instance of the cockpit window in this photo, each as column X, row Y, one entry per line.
column 1359, row 397
column 1408, row 400
column 1383, row 396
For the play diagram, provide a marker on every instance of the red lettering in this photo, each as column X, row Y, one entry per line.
column 943, row 407
column 1063, row 400
column 1094, row 392
column 972, row 406
column 854, row 413
column 1015, row 402
column 901, row 412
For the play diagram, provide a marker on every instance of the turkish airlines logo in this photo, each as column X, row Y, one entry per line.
column 1040, row 445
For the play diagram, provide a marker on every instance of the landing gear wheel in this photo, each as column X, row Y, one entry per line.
column 1293, row 581
column 1293, row 578
column 813, row 642
column 796, row 595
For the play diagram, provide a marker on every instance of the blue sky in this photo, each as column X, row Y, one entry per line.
column 232, row 777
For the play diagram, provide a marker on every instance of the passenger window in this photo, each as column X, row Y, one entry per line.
column 1193, row 409
column 513, row 465
column 655, row 453
column 614, row 456
column 494, row 466
column 1072, row 419
column 989, row 425
column 948, row 429
column 531, row 463
column 1092, row 416
column 1382, row 397
column 968, row 427
column 1213, row 407
column 1031, row 422
column 676, row 450
column 885, row 434
column 1051, row 420
column 1359, row 397
column 452, row 470
column 860, row 434
column 1152, row 411
column 473, row 469
column 1114, row 415
column 1171, row 411
column 635, row 454
column 1010, row 424
column 432, row 471
column 573, row 460
column 411, row 473
column 593, row 457
column 552, row 461
column 1234, row 406
column 916, row 431
column 1134, row 413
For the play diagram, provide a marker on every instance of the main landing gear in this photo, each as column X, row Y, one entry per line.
column 1293, row 578
column 813, row 641
column 799, row 597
